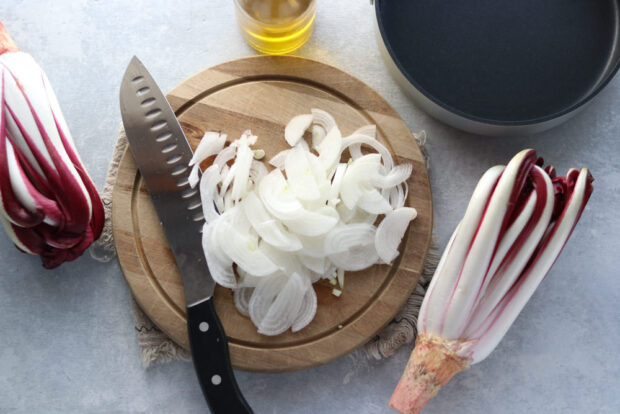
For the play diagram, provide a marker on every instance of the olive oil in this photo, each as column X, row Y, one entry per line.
column 276, row 26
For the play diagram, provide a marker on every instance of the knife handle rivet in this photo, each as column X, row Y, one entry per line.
column 204, row 327
column 216, row 380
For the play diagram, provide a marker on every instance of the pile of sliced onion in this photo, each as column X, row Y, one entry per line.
column 269, row 235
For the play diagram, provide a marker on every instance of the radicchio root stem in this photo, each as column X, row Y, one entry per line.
column 432, row 364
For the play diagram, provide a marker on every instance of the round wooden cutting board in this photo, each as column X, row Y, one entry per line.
column 262, row 94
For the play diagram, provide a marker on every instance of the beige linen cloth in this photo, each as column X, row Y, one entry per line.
column 156, row 347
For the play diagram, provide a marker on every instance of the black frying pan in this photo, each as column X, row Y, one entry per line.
column 500, row 67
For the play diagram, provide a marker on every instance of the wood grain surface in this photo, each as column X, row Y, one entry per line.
column 262, row 93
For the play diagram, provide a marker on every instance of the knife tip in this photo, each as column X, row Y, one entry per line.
column 135, row 61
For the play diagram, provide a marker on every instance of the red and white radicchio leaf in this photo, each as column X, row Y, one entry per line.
column 49, row 205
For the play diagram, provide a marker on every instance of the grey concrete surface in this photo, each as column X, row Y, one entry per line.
column 67, row 343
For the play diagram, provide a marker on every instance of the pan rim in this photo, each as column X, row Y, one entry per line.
column 606, row 79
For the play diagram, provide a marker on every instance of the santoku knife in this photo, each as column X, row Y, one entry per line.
column 162, row 155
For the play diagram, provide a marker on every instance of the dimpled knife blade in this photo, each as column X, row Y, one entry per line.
column 162, row 155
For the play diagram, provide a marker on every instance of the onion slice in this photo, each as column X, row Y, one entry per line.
column 311, row 223
column 278, row 198
column 369, row 131
column 323, row 119
column 306, row 312
column 296, row 127
column 394, row 177
column 391, row 231
column 210, row 144
column 241, row 298
column 318, row 133
column 330, row 148
column 243, row 250
column 357, row 178
column 243, row 163
column 220, row 265
column 208, row 188
column 357, row 258
column 267, row 227
column 279, row 159
column 347, row 236
column 300, row 176
column 353, row 140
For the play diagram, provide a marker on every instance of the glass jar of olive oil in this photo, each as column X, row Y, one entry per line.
column 276, row 26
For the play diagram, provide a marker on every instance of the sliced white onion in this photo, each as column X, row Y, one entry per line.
column 391, row 231
column 373, row 202
column 318, row 133
column 300, row 176
column 336, row 184
column 311, row 223
column 347, row 236
column 296, row 127
column 361, row 216
column 263, row 296
column 321, row 177
column 208, row 188
column 287, row 263
column 241, row 298
column 225, row 155
column 194, row 176
column 330, row 148
column 332, row 270
column 247, row 138
column 354, row 139
column 228, row 201
column 236, row 217
column 243, row 162
column 257, row 171
column 323, row 119
column 369, row 131
column 306, row 312
column 313, row 246
column 267, row 227
column 224, row 170
column 397, row 195
column 284, row 308
column 285, row 232
column 243, row 250
column 315, row 264
column 279, row 159
column 394, row 177
column 228, row 178
column 357, row 178
column 356, row 258
column 220, row 265
column 346, row 213
column 304, row 145
column 210, row 144
column 278, row 198
column 246, row 279
column 341, row 278
column 275, row 234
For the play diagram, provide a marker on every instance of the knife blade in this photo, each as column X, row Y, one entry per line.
column 162, row 154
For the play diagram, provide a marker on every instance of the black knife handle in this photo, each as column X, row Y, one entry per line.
column 212, row 361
